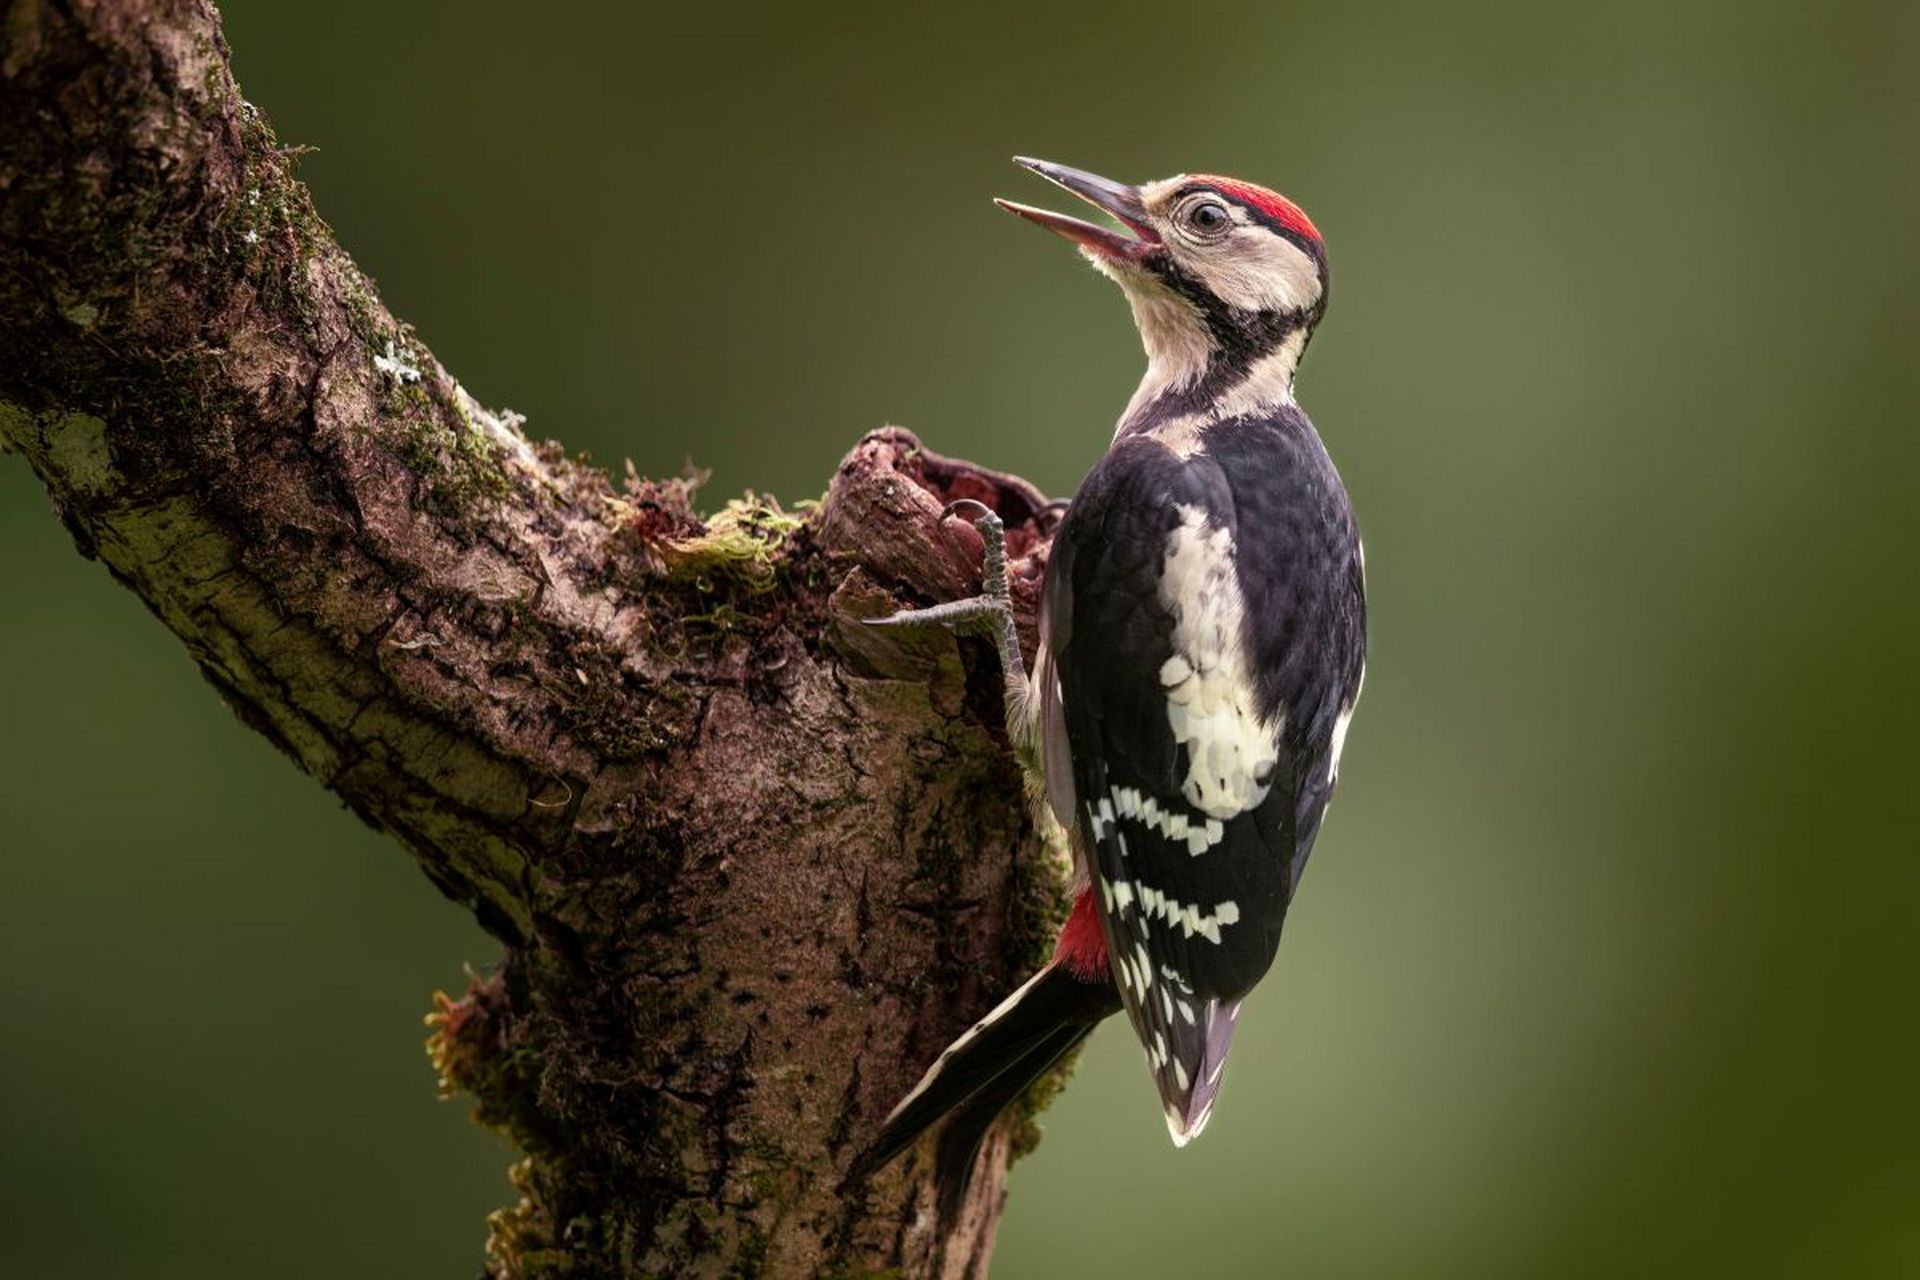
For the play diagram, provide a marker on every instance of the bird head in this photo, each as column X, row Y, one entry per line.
column 1226, row 279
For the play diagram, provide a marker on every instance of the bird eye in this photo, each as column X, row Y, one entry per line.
column 1208, row 217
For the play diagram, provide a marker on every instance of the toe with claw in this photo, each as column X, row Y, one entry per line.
column 976, row 614
column 989, row 613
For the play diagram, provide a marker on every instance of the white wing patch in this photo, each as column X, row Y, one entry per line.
column 1345, row 718
column 1231, row 752
column 1340, row 724
column 1187, row 918
column 1199, row 835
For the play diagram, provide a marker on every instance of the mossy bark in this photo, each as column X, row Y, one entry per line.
column 753, row 864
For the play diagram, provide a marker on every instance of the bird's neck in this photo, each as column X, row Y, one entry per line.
column 1190, row 385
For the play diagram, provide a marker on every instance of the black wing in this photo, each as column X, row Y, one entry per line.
column 1198, row 774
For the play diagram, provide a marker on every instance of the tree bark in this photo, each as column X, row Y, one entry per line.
column 752, row 863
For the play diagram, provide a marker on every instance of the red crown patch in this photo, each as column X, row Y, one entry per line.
column 1271, row 203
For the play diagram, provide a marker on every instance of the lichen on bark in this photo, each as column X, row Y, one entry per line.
column 752, row 862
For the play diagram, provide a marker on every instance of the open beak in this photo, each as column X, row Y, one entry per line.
column 1115, row 198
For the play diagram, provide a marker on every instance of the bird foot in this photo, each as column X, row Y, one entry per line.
column 986, row 613
column 990, row 613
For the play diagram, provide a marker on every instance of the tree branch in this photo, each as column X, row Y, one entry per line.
column 753, row 864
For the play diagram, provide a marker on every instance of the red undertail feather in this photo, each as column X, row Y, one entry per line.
column 1082, row 949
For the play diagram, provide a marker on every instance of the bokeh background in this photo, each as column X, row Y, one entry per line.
column 1606, row 965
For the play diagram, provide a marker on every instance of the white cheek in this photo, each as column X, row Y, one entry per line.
column 1256, row 270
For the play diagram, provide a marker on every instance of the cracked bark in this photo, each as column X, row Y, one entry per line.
column 752, row 864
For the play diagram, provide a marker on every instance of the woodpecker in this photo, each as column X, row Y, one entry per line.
column 1202, row 640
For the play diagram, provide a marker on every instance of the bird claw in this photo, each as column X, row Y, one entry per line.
column 979, row 513
column 990, row 613
column 976, row 614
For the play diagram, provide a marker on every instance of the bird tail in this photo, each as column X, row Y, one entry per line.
column 968, row 1125
column 989, row 1066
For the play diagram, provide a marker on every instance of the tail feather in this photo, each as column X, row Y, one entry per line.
column 1190, row 1081
column 968, row 1125
column 991, row 1064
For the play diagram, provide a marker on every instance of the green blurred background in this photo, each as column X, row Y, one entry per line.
column 1607, row 962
